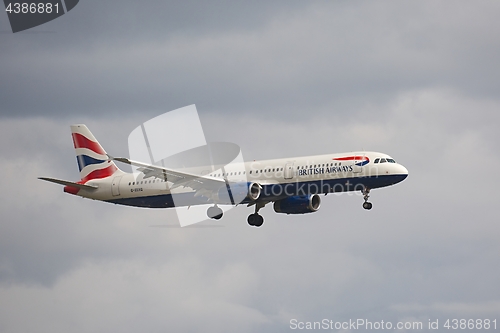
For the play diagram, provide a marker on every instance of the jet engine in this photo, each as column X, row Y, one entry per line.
column 299, row 204
column 235, row 193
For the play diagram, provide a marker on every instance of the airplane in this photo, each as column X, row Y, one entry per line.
column 293, row 185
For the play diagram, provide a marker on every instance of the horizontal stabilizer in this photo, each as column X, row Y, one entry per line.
column 73, row 184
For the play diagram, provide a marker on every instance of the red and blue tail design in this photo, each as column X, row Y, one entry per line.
column 91, row 157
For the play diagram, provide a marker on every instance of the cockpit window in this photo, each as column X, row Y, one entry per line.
column 390, row 160
column 377, row 160
column 382, row 160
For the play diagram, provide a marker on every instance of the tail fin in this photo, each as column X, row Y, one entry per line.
column 91, row 157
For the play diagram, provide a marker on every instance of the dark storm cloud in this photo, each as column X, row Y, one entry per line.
column 78, row 67
column 248, row 57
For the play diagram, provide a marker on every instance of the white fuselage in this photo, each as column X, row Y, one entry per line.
column 279, row 178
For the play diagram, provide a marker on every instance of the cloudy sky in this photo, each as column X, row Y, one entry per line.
column 419, row 80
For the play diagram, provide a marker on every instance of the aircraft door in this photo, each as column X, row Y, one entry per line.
column 115, row 186
column 289, row 171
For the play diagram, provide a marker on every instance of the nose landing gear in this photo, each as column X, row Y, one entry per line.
column 366, row 194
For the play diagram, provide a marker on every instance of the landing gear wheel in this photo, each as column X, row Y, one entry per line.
column 215, row 213
column 255, row 220
column 260, row 221
column 367, row 205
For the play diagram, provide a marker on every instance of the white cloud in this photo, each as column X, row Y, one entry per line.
column 464, row 309
column 118, row 295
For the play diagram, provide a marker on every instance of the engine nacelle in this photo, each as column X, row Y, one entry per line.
column 239, row 192
column 299, row 204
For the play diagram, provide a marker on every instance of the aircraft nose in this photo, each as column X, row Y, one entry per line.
column 402, row 171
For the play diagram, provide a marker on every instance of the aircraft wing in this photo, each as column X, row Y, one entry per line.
column 201, row 184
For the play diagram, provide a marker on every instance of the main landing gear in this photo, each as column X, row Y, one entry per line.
column 215, row 212
column 366, row 194
column 255, row 219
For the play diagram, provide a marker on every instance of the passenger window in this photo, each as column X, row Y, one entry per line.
column 377, row 160
column 250, row 171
